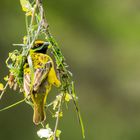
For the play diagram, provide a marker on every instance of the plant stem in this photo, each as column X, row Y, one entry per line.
column 10, row 106
column 57, row 119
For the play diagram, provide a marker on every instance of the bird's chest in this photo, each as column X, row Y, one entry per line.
column 39, row 60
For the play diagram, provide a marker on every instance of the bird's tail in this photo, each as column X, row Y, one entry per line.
column 39, row 111
column 39, row 114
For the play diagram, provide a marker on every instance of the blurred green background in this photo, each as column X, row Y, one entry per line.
column 101, row 42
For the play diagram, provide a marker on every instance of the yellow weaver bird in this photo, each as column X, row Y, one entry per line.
column 38, row 82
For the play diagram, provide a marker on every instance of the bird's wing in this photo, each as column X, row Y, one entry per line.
column 42, row 65
column 41, row 74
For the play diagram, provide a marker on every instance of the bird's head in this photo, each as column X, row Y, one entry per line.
column 40, row 46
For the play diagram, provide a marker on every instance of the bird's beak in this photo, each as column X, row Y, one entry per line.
column 46, row 43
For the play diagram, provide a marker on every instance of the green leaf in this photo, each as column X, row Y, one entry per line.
column 58, row 132
column 26, row 7
column 1, row 86
column 6, row 78
column 47, row 126
column 68, row 97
